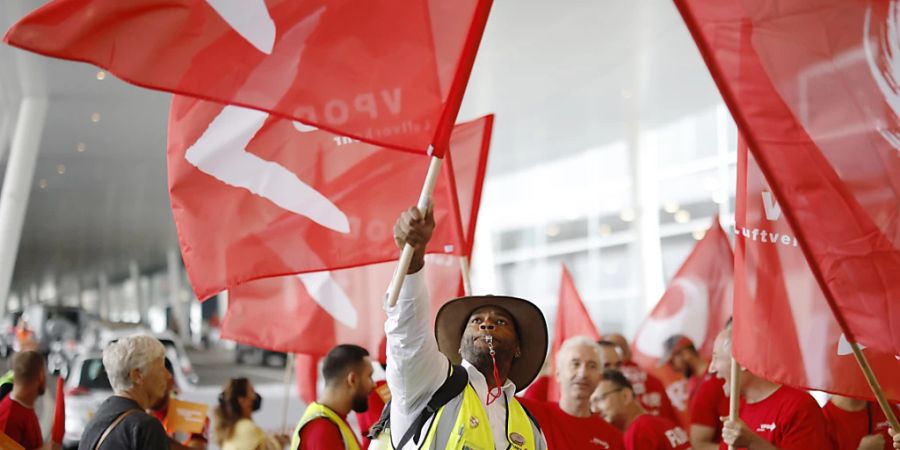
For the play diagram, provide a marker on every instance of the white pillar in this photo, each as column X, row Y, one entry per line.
column 179, row 311
column 135, row 278
column 17, row 186
column 645, row 189
column 103, row 296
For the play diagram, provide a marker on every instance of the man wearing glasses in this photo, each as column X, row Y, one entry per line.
column 614, row 398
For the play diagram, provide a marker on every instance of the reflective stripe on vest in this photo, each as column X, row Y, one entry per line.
column 315, row 411
column 463, row 423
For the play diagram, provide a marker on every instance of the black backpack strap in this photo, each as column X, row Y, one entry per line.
column 456, row 382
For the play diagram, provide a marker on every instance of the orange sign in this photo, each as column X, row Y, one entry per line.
column 6, row 443
column 186, row 416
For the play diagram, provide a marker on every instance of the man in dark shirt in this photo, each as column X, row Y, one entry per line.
column 136, row 369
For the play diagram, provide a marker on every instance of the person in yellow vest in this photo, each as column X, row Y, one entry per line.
column 347, row 371
column 498, row 343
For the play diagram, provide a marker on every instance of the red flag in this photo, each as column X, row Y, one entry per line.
column 813, row 86
column 784, row 330
column 697, row 302
column 386, row 72
column 307, row 372
column 338, row 307
column 255, row 196
column 572, row 319
column 59, row 413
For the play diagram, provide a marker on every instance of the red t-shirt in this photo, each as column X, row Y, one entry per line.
column 322, row 434
column 651, row 392
column 847, row 428
column 22, row 423
column 538, row 390
column 789, row 419
column 709, row 403
column 564, row 431
column 649, row 432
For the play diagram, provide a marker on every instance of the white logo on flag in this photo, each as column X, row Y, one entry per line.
column 250, row 19
column 886, row 48
column 221, row 151
column 326, row 291
column 773, row 209
column 844, row 349
column 691, row 320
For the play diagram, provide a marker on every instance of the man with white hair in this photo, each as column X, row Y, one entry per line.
column 571, row 424
column 136, row 369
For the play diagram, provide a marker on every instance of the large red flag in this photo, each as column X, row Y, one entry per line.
column 255, row 196
column 784, row 330
column 307, row 372
column 696, row 304
column 311, row 313
column 813, row 85
column 387, row 72
column 572, row 319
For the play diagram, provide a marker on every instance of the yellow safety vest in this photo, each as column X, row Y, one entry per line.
column 316, row 411
column 471, row 428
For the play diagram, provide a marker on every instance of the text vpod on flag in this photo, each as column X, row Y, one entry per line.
column 257, row 196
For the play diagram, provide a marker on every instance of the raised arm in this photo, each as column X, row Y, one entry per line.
column 415, row 368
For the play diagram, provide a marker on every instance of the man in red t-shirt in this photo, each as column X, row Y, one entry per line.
column 17, row 417
column 347, row 371
column 857, row 424
column 650, row 391
column 570, row 424
column 616, row 400
column 707, row 408
column 772, row 416
column 681, row 355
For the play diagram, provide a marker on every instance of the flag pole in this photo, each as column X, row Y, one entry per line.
column 464, row 268
column 434, row 168
column 288, row 371
column 734, row 399
column 874, row 384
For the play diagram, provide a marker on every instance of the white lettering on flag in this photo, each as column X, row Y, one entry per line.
column 773, row 209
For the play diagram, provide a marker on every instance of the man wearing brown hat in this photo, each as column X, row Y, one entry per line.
column 497, row 343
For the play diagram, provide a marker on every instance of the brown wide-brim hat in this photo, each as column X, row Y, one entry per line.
column 530, row 326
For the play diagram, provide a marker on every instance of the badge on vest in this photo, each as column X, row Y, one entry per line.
column 473, row 422
column 517, row 439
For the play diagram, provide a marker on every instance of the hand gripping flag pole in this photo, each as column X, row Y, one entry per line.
column 434, row 168
column 874, row 384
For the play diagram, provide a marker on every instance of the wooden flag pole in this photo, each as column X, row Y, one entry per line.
column 734, row 399
column 406, row 256
column 874, row 384
column 288, row 371
column 464, row 268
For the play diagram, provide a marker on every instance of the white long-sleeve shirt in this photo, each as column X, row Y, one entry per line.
column 416, row 368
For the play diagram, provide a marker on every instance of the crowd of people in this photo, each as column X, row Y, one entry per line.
column 462, row 385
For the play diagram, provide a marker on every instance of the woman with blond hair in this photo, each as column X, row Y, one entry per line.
column 234, row 427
